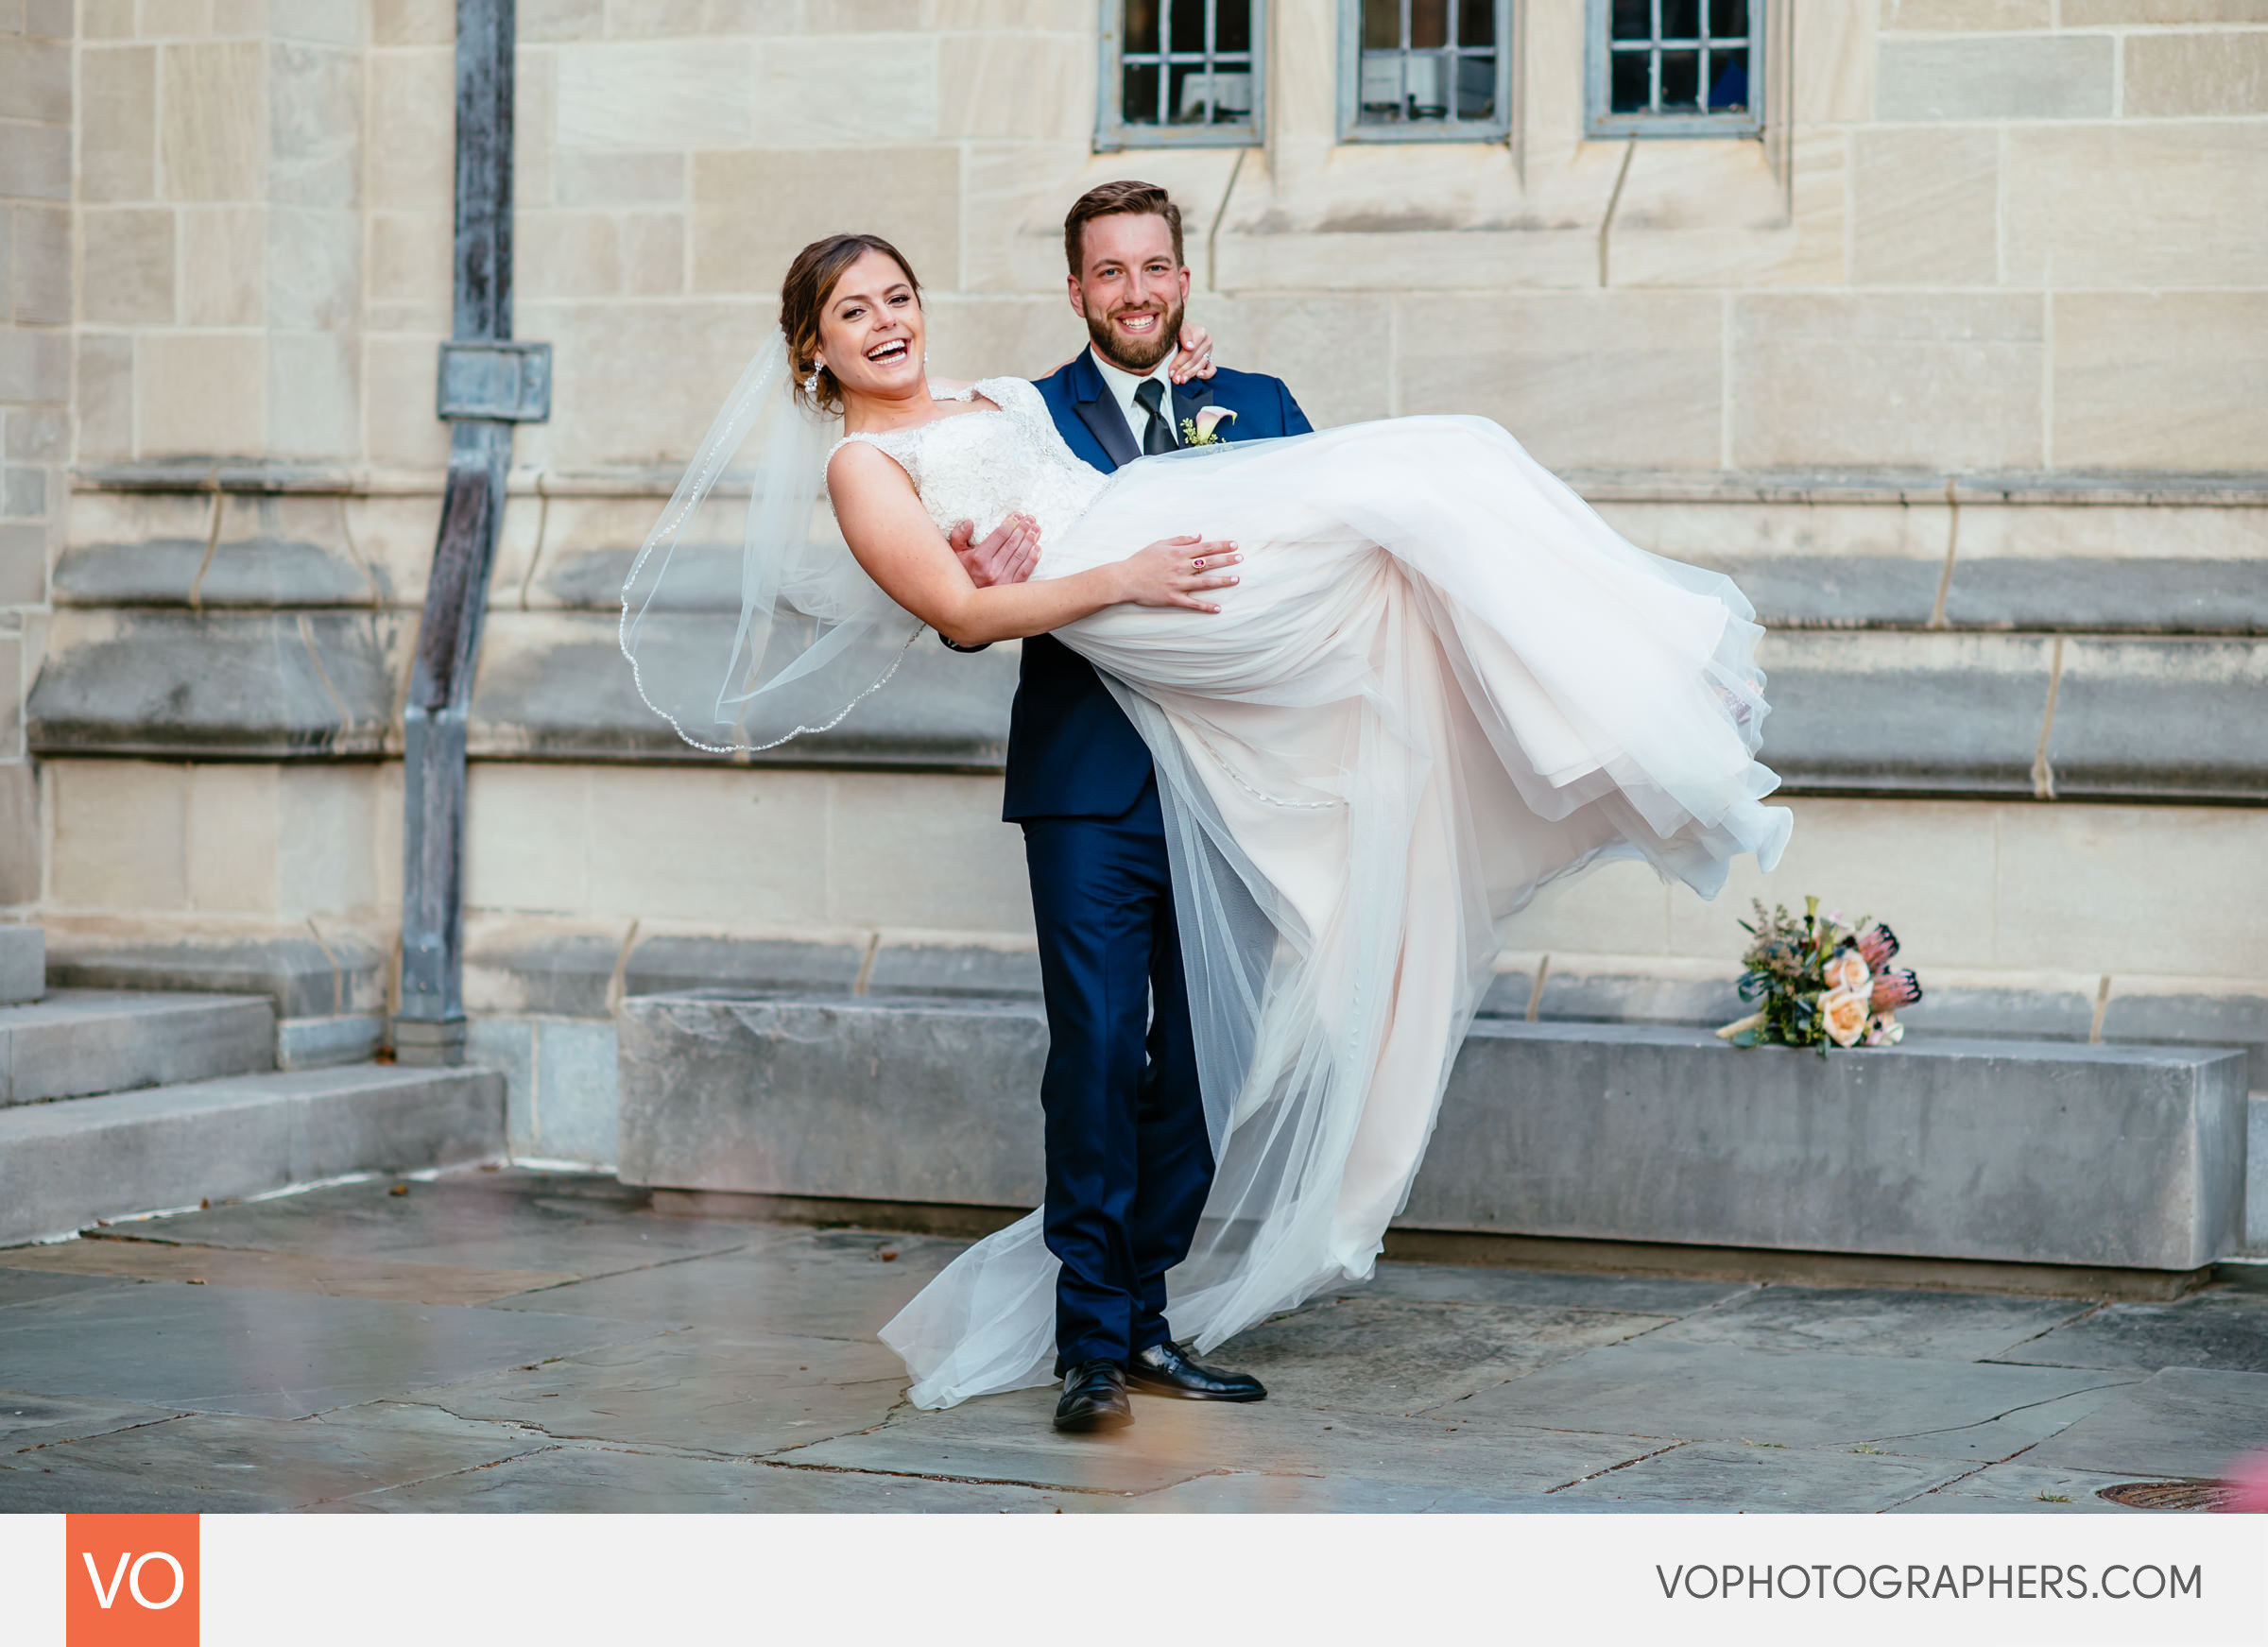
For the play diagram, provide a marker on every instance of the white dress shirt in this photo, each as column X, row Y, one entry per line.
column 1123, row 385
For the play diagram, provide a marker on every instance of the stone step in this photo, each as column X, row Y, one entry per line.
column 23, row 964
column 78, row 1043
column 2038, row 1152
column 2137, row 715
column 328, row 991
column 63, row 1166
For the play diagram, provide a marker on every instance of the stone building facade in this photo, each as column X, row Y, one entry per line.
column 1959, row 363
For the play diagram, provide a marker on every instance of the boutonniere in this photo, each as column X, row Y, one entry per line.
column 1205, row 428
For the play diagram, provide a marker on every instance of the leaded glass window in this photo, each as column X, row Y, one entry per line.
column 1675, row 68
column 1181, row 72
column 1412, row 69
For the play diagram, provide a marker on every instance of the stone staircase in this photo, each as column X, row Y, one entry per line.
column 121, row 1101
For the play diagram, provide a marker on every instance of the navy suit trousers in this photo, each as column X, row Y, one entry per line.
column 1128, row 1163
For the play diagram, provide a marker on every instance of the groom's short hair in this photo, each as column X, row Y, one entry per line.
column 1110, row 200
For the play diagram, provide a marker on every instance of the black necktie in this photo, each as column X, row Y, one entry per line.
column 1157, row 434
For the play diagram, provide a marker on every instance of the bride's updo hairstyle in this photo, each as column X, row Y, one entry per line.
column 811, row 280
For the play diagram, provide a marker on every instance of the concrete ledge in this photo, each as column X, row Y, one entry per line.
column 2074, row 593
column 517, row 965
column 1964, row 713
column 2134, row 717
column 258, row 572
column 553, row 686
column 318, row 1043
column 269, row 476
column 2021, row 1152
column 64, row 1165
column 79, row 1043
column 520, row 966
column 894, row 1101
column 23, row 964
column 2008, row 1152
column 2153, row 1016
column 305, row 979
column 2256, row 1180
column 231, row 685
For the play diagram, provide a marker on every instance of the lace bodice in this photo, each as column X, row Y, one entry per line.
column 984, row 465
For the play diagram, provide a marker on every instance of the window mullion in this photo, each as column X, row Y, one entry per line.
column 1213, row 41
column 1451, row 65
column 1654, row 60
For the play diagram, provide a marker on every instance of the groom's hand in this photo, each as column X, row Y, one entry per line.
column 1007, row 556
column 1194, row 357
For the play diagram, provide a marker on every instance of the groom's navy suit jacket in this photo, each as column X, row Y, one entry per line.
column 1129, row 1160
column 1072, row 751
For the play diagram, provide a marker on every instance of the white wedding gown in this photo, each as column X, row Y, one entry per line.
column 1442, row 682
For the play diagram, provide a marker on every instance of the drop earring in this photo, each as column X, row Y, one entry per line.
column 811, row 383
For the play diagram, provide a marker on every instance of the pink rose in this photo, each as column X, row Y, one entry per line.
column 1847, row 970
column 1844, row 1013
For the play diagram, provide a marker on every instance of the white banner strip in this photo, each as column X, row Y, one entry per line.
column 437, row 1581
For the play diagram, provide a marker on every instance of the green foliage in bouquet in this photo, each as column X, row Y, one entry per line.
column 1817, row 981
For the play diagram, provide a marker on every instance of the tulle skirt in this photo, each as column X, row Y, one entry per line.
column 1442, row 683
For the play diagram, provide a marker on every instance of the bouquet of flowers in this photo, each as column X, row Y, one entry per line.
column 1817, row 982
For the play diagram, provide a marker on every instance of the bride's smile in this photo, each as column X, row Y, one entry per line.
column 871, row 346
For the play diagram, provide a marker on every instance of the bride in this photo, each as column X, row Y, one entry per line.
column 1405, row 679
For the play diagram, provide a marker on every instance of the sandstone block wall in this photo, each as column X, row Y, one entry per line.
column 1961, row 369
column 36, row 110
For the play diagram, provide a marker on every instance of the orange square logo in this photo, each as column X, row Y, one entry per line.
column 130, row 1581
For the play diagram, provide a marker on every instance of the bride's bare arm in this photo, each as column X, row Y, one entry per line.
column 902, row 549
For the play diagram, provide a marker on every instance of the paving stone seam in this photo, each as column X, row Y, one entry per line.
column 2001, row 1357
column 94, row 1435
column 554, row 1444
column 409, row 1395
column 2044, row 1402
column 630, row 1270
column 615, row 1444
column 976, row 1481
column 1626, row 1462
column 420, row 1480
column 1965, row 1475
column 1709, row 1309
column 997, row 1480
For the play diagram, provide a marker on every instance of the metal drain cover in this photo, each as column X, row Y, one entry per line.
column 2170, row 1495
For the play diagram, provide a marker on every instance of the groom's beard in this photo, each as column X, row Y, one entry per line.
column 1136, row 354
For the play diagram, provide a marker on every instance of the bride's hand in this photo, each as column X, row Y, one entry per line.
column 1195, row 356
column 1175, row 572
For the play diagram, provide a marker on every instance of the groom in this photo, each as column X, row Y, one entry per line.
column 1129, row 1160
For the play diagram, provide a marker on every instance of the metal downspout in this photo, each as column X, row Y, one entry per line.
column 486, row 384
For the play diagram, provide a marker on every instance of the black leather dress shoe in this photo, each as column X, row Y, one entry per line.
column 1162, row 1370
column 1094, row 1397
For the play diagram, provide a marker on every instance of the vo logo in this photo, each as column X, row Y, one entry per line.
column 130, row 1581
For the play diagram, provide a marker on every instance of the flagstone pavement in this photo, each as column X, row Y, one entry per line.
column 515, row 1340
